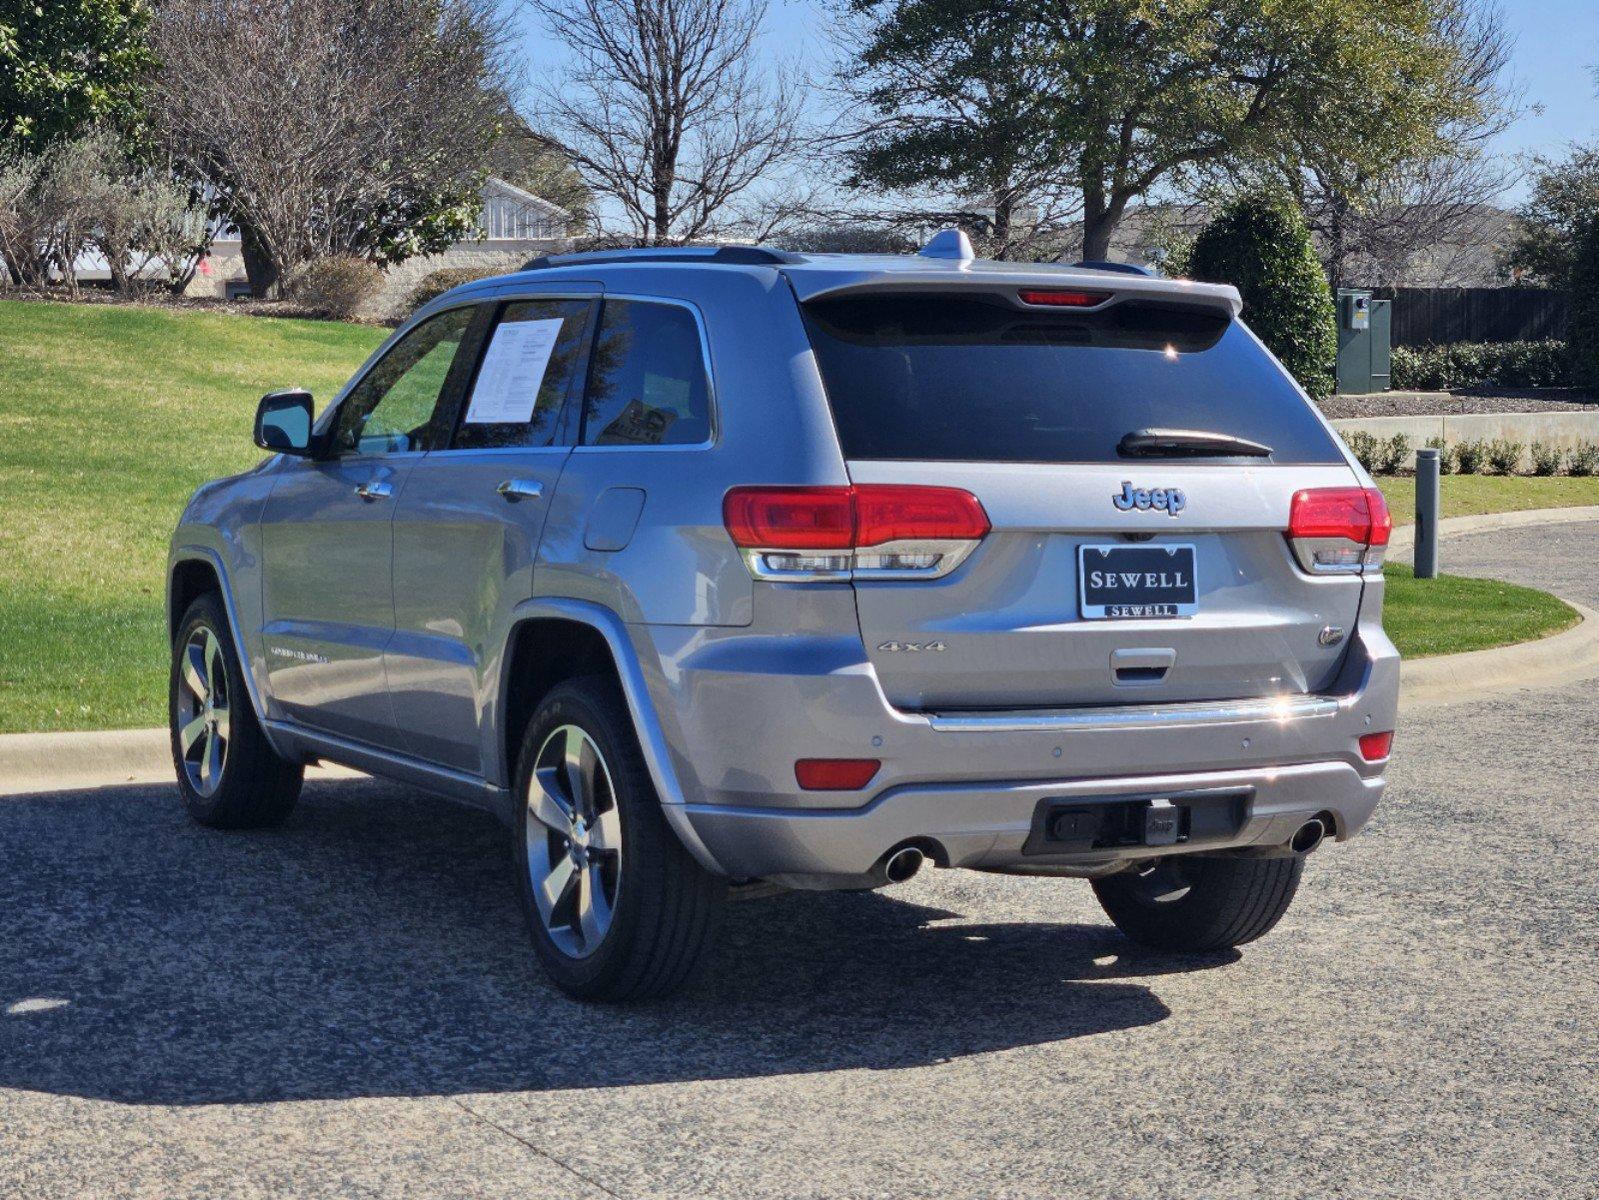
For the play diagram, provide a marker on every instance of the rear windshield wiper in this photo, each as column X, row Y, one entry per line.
column 1179, row 443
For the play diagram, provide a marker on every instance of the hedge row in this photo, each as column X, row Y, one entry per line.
column 1384, row 456
column 1475, row 364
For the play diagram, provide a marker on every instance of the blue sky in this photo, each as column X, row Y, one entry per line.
column 1557, row 42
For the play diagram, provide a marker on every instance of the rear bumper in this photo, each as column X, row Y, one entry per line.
column 737, row 711
column 987, row 826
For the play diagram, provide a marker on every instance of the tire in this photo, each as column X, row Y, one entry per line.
column 228, row 774
column 632, row 912
column 1192, row 904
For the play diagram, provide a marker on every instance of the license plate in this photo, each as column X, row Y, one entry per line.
column 1133, row 582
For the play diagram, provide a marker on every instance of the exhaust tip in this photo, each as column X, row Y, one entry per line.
column 902, row 864
column 1308, row 836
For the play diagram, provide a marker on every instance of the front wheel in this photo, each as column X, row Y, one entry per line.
column 617, row 907
column 228, row 774
column 1192, row 903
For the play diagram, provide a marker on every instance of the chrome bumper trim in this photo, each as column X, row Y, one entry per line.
column 1280, row 709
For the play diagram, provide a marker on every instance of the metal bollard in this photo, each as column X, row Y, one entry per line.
column 1427, row 506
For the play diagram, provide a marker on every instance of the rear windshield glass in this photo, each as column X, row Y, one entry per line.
column 971, row 379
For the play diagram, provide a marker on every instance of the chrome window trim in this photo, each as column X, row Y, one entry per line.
column 1280, row 709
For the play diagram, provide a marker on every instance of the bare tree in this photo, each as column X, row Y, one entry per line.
column 1374, row 227
column 666, row 110
column 332, row 126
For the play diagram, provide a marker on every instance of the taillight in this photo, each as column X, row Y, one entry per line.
column 1374, row 747
column 869, row 530
column 835, row 774
column 1059, row 298
column 1336, row 531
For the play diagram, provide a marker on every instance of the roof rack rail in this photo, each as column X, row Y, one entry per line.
column 738, row 256
column 1099, row 264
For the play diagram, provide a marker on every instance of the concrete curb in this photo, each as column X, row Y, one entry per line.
column 50, row 762
column 1566, row 657
column 1450, row 527
column 31, row 763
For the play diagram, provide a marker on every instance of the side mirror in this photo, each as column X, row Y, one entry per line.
column 283, row 422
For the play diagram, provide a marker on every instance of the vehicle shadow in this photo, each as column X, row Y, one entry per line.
column 372, row 947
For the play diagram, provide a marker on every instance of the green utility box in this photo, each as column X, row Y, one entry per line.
column 1364, row 326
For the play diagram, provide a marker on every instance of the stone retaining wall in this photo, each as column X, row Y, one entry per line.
column 1565, row 429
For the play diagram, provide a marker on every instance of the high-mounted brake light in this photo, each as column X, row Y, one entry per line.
column 1336, row 531
column 1057, row 298
column 868, row 530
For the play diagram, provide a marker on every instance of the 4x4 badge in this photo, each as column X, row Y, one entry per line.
column 913, row 647
column 1170, row 501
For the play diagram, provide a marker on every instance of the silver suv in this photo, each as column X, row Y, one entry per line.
column 708, row 570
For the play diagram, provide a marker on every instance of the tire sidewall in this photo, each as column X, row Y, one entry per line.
column 207, row 611
column 586, row 704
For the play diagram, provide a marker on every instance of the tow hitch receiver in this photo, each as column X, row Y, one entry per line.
column 1081, row 825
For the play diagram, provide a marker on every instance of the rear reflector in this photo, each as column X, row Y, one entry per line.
column 1374, row 747
column 1056, row 298
column 835, row 774
column 870, row 529
column 1339, row 529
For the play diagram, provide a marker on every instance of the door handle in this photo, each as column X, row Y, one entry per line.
column 520, row 489
column 374, row 489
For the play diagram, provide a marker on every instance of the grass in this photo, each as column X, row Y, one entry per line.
column 110, row 415
column 1450, row 614
column 1470, row 495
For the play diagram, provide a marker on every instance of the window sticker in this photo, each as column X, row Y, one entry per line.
column 513, row 371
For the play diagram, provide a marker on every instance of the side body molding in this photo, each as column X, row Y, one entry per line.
column 639, row 705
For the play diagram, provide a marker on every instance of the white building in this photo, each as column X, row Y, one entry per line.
column 514, row 226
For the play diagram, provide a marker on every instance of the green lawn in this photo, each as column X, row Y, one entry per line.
column 109, row 417
column 1469, row 495
column 1450, row 614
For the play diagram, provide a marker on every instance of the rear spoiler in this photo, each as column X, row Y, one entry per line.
column 1005, row 281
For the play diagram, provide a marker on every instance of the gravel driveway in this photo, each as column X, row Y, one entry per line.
column 347, row 1007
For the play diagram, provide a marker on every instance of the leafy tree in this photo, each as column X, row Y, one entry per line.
column 1563, row 201
column 1095, row 103
column 65, row 64
column 1583, row 276
column 1262, row 246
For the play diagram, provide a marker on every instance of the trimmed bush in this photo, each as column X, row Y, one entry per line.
column 1504, row 456
column 1475, row 364
column 436, row 283
column 1547, row 458
column 1261, row 245
column 1396, row 453
column 1366, row 447
column 1584, row 324
column 1471, row 457
column 1584, row 459
column 1446, row 455
column 335, row 287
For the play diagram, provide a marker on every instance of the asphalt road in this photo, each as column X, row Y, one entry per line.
column 348, row 1007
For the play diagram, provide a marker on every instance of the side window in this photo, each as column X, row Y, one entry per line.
column 391, row 410
column 647, row 385
column 535, row 354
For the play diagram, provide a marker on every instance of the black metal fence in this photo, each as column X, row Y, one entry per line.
column 1428, row 316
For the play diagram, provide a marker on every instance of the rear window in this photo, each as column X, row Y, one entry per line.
column 971, row 379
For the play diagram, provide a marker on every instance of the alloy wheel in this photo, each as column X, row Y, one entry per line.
column 574, row 841
column 204, row 719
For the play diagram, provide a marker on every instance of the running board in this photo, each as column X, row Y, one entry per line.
column 454, row 785
column 1278, row 709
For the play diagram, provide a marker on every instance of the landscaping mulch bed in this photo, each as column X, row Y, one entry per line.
column 1443, row 404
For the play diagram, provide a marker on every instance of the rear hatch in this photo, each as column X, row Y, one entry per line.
column 1137, row 459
